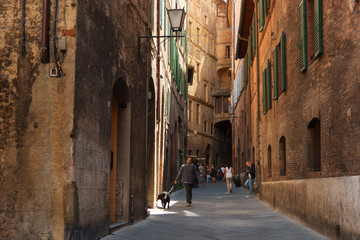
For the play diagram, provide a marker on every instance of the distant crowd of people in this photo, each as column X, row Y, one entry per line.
column 192, row 174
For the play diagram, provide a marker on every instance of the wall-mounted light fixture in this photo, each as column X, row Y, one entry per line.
column 176, row 17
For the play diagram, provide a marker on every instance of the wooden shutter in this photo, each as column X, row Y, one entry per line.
column 246, row 71
column 249, row 51
column 165, row 26
column 318, row 28
column 302, row 36
column 169, row 106
column 264, row 92
column 268, row 77
column 283, row 62
column 161, row 13
column 249, row 43
column 275, row 69
column 261, row 15
column 253, row 36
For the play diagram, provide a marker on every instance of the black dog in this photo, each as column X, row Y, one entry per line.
column 165, row 198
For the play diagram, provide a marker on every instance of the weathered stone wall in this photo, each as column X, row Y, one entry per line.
column 106, row 53
column 327, row 205
column 35, row 125
column 54, row 178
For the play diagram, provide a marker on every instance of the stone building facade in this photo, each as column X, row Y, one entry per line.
column 81, row 137
column 297, row 105
column 209, row 56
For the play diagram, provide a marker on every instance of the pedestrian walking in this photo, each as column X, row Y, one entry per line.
column 213, row 173
column 207, row 172
column 201, row 174
column 251, row 176
column 220, row 174
column 229, row 171
column 188, row 174
column 223, row 172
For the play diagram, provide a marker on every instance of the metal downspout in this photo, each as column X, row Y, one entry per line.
column 44, row 50
column 258, row 101
column 147, row 112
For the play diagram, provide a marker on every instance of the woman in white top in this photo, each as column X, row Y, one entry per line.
column 228, row 175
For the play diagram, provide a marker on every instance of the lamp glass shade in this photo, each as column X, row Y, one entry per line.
column 176, row 17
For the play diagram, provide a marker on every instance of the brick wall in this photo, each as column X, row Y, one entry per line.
column 327, row 91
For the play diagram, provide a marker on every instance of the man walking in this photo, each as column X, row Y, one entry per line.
column 251, row 174
column 188, row 173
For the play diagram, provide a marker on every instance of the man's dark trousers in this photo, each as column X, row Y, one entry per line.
column 188, row 192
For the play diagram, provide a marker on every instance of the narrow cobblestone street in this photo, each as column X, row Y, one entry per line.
column 215, row 214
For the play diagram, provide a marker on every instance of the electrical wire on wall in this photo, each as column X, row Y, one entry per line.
column 23, row 49
column 56, row 50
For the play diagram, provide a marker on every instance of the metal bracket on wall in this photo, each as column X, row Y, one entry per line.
column 146, row 37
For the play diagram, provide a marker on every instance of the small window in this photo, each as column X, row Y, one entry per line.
column 190, row 111
column 269, row 162
column 198, row 72
column 198, row 35
column 198, row 113
column 205, row 126
column 315, row 145
column 206, row 96
column 190, row 27
column 282, row 156
column 227, row 52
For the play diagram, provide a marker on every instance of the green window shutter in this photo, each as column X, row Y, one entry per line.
column 184, row 86
column 275, row 69
column 181, row 34
column 264, row 92
column 169, row 106
column 181, row 82
column 265, row 7
column 249, row 51
column 283, row 62
column 261, row 15
column 165, row 26
column 318, row 28
column 170, row 47
column 254, row 34
column 268, row 73
column 246, row 70
column 302, row 36
column 161, row 13
column 186, row 45
column 176, row 67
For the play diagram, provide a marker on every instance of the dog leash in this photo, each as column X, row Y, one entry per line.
column 171, row 189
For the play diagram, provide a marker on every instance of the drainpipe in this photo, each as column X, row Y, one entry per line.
column 258, row 100
column 157, row 140
column 44, row 50
column 146, row 111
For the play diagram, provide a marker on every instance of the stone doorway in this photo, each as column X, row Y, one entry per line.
column 120, row 155
column 152, row 171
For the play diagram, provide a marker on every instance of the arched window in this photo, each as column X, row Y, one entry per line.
column 282, row 156
column 315, row 145
column 269, row 162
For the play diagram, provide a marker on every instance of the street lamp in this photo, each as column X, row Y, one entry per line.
column 176, row 17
